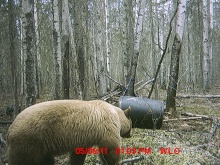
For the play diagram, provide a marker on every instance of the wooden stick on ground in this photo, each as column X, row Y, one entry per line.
column 135, row 159
column 187, row 118
column 197, row 115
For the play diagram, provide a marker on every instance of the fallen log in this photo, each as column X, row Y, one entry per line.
column 198, row 96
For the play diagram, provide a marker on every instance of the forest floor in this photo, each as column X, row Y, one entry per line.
column 186, row 141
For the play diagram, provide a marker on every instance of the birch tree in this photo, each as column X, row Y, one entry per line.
column 132, row 72
column 57, row 50
column 28, row 47
column 175, row 56
column 107, row 40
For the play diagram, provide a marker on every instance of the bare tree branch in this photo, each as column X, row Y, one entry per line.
column 164, row 52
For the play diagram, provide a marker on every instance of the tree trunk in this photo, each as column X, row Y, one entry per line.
column 154, row 51
column 22, row 56
column 161, row 39
column 188, row 80
column 107, row 42
column 211, row 37
column 175, row 56
column 66, row 48
column 206, row 55
column 79, row 41
column 99, row 50
column 28, row 43
column 38, row 58
column 13, row 55
column 57, row 50
column 128, row 37
column 132, row 72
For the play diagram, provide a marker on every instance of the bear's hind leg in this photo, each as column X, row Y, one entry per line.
column 77, row 159
column 48, row 160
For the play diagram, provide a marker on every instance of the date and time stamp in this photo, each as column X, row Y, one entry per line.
column 129, row 151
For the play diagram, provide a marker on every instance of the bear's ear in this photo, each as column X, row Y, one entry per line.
column 128, row 112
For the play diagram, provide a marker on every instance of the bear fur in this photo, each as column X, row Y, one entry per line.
column 52, row 128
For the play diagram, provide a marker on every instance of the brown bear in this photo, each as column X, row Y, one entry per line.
column 52, row 128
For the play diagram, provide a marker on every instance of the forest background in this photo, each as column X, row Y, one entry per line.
column 75, row 49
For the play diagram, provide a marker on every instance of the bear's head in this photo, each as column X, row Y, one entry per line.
column 126, row 123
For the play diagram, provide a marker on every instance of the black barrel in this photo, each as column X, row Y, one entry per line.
column 145, row 113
